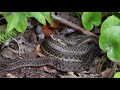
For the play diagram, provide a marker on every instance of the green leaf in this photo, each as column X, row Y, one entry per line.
column 117, row 75
column 47, row 17
column 91, row 19
column 5, row 14
column 109, row 22
column 12, row 21
column 22, row 24
column 109, row 42
column 39, row 17
column 27, row 14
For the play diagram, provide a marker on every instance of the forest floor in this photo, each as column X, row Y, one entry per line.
column 10, row 53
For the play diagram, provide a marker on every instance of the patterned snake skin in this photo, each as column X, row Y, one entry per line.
column 63, row 53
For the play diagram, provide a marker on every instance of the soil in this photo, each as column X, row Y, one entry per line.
column 26, row 48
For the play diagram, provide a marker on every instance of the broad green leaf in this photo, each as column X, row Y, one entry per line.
column 109, row 42
column 39, row 17
column 12, row 21
column 109, row 22
column 117, row 75
column 91, row 19
column 22, row 24
column 47, row 17
column 27, row 14
column 5, row 14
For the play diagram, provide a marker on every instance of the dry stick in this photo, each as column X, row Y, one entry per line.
column 72, row 25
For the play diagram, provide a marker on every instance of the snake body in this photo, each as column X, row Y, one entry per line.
column 74, row 55
column 65, row 55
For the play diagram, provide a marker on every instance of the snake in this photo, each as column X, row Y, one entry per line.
column 72, row 53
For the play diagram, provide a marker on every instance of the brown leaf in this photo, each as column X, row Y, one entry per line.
column 38, row 51
column 47, row 31
column 9, row 75
column 38, row 48
column 54, row 25
column 107, row 73
column 39, row 54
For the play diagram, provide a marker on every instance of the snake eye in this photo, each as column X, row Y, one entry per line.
column 53, row 36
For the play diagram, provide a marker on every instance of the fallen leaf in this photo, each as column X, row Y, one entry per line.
column 47, row 31
column 9, row 75
column 107, row 73
column 54, row 25
column 38, row 48
column 38, row 51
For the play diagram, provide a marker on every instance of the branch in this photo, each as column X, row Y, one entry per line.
column 72, row 25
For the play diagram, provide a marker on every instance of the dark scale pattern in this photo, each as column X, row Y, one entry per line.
column 67, row 49
column 78, row 57
column 62, row 60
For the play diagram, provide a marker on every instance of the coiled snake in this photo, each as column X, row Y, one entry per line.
column 72, row 53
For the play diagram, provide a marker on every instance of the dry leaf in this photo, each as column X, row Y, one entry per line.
column 107, row 73
column 38, row 51
column 47, row 31
column 54, row 25
column 9, row 75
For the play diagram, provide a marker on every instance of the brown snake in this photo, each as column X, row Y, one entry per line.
column 76, row 58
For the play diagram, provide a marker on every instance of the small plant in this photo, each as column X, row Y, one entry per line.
column 91, row 19
column 4, row 35
column 109, row 40
column 18, row 21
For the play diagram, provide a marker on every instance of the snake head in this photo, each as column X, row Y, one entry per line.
column 54, row 37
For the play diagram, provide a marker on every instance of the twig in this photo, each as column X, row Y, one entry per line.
column 99, row 67
column 72, row 25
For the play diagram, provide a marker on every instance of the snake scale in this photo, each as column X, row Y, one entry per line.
column 64, row 53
